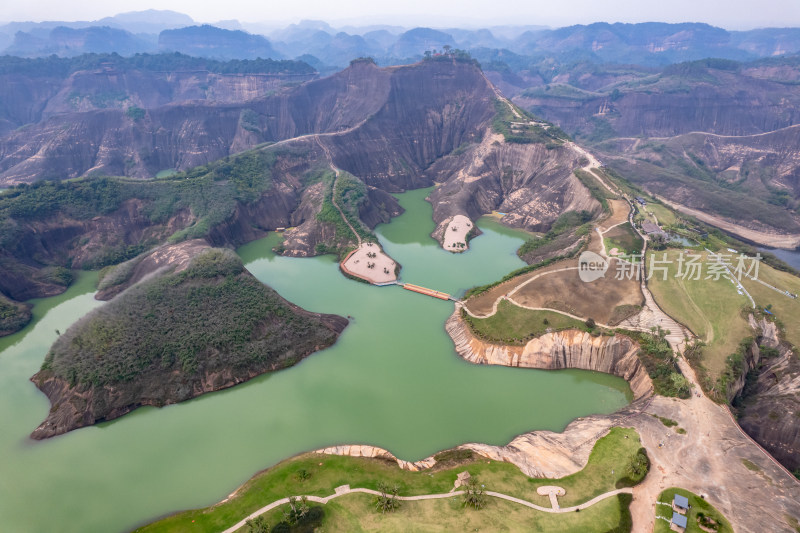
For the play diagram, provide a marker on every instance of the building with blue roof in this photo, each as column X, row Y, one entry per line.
column 680, row 504
column 678, row 523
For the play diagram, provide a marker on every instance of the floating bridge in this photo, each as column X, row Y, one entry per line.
column 428, row 292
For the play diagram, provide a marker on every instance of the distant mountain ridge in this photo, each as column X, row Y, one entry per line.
column 651, row 43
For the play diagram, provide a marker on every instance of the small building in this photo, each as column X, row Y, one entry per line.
column 680, row 504
column 641, row 200
column 678, row 523
column 649, row 228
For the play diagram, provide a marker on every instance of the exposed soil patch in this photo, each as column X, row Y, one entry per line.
column 565, row 291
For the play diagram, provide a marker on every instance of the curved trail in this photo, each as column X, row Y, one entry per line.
column 333, row 188
column 345, row 489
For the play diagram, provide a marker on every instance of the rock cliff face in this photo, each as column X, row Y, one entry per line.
column 564, row 349
column 769, row 410
column 188, row 134
column 532, row 183
column 539, row 454
column 393, row 129
column 31, row 97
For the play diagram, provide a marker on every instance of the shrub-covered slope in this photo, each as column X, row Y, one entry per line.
column 173, row 337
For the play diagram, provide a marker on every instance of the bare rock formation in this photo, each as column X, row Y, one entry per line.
column 615, row 355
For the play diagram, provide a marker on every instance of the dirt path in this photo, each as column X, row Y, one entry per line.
column 333, row 189
column 591, row 166
column 515, row 289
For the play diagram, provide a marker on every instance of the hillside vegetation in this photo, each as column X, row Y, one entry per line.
column 175, row 336
column 178, row 321
column 608, row 468
column 13, row 316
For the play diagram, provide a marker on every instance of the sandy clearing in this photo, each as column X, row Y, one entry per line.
column 455, row 234
column 382, row 268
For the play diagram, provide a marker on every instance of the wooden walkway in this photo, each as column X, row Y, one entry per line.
column 428, row 292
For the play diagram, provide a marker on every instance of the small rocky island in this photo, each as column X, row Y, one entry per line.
column 196, row 322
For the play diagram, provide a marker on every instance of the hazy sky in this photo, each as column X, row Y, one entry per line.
column 733, row 14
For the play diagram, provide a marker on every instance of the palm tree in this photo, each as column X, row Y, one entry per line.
column 387, row 501
column 298, row 507
column 474, row 494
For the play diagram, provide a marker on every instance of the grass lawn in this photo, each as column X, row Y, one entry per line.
column 786, row 309
column 516, row 325
column 357, row 513
column 625, row 239
column 710, row 308
column 696, row 505
column 664, row 215
column 611, row 453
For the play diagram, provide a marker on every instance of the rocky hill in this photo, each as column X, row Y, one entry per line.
column 714, row 136
column 768, row 399
column 712, row 95
column 218, row 43
column 390, row 130
column 198, row 323
column 34, row 90
column 752, row 181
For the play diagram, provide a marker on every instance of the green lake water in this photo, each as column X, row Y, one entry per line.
column 393, row 380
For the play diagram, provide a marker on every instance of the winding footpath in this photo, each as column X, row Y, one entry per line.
column 333, row 188
column 345, row 489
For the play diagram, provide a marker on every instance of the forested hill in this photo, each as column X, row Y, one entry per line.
column 173, row 337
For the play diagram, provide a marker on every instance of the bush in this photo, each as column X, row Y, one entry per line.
column 135, row 113
column 454, row 456
column 659, row 360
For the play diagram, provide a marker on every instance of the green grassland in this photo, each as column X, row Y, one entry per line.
column 528, row 133
column 576, row 222
column 664, row 215
column 349, row 194
column 315, row 474
column 625, row 239
column 515, row 325
column 356, row 513
column 600, row 193
column 696, row 505
column 711, row 309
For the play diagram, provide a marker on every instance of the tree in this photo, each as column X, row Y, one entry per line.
column 639, row 465
column 258, row 525
column 474, row 494
column 298, row 507
column 658, row 241
column 590, row 323
column 387, row 501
